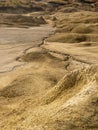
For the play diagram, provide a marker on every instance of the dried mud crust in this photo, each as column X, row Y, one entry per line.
column 58, row 88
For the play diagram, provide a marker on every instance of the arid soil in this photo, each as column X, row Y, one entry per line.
column 56, row 88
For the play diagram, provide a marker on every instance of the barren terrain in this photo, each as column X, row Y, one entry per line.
column 54, row 85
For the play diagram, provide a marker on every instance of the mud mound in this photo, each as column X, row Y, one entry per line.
column 78, row 19
column 74, row 95
column 82, row 29
column 88, row 44
column 21, row 20
column 20, row 6
column 90, row 20
column 68, row 38
column 70, row 84
column 37, row 56
column 18, row 88
column 73, row 38
column 44, row 67
column 78, row 28
column 81, row 103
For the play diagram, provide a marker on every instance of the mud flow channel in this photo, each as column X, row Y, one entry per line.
column 14, row 41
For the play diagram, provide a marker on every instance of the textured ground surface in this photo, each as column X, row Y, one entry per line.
column 57, row 88
column 14, row 42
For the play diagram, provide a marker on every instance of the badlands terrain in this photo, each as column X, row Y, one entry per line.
column 49, row 65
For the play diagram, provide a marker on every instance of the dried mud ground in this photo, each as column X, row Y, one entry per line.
column 58, row 87
column 15, row 41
